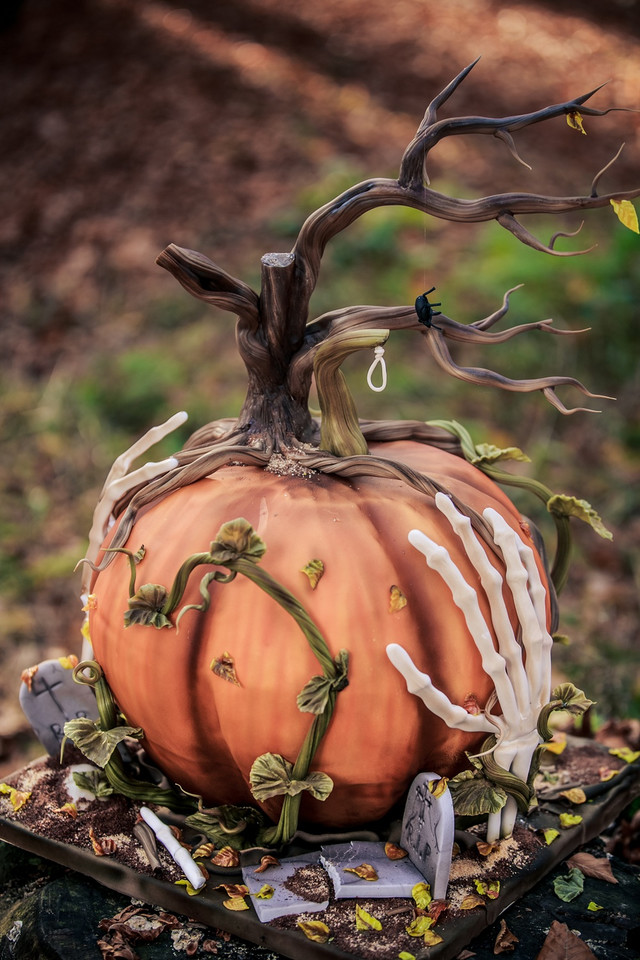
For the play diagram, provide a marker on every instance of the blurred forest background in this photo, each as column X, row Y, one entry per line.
column 219, row 126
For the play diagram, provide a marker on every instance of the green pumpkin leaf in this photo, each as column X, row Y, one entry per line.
column 563, row 505
column 146, row 607
column 94, row 781
column 227, row 825
column 96, row 744
column 237, row 539
column 570, row 886
column 314, row 695
column 488, row 453
column 270, row 776
column 571, row 698
column 473, row 795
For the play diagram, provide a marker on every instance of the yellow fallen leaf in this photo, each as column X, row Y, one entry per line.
column 421, row 894
column 555, row 746
column 419, row 926
column 365, row 871
column 191, row 890
column 575, row 795
column 625, row 753
column 315, row 930
column 235, row 903
column 574, row 120
column 437, row 787
column 626, row 214
column 471, row 901
column 17, row 798
column 364, row 920
column 431, row 938
column 550, row 834
column 489, row 888
column 405, row 955
column 594, row 907
column 397, row 599
column 265, row 892
column 569, row 820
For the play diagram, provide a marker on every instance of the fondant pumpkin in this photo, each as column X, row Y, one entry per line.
column 222, row 690
column 205, row 731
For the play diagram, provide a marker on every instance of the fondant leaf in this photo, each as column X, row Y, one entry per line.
column 563, row 505
column 314, row 696
column 397, row 599
column 365, row 871
column 568, row 820
column 574, row 120
column 270, row 776
column 96, row 744
column 237, row 539
column 625, row 753
column 473, row 795
column 225, row 667
column 364, row 920
column 626, row 214
column 419, row 926
column 569, row 886
column 315, row 930
column 421, row 894
column 146, row 605
column 488, row 453
column 314, row 570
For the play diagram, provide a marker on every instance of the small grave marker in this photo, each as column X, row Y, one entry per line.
column 53, row 699
column 427, row 832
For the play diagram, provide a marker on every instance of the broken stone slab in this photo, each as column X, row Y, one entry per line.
column 428, row 828
column 284, row 901
column 395, row 878
column 50, row 698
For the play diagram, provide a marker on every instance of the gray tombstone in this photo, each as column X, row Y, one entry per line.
column 427, row 832
column 53, row 699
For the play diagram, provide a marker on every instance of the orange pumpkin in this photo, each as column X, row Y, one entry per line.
column 204, row 731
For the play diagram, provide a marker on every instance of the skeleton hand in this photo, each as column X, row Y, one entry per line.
column 520, row 667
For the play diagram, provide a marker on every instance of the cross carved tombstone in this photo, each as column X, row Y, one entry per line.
column 51, row 698
column 427, row 831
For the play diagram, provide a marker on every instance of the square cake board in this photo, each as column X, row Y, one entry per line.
column 457, row 932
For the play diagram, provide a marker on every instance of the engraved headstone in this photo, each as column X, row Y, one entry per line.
column 427, row 832
column 51, row 698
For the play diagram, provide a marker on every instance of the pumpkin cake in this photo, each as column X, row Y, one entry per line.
column 298, row 614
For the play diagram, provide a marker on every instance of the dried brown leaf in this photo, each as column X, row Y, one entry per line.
column 471, row 901
column 365, row 871
column 394, row 852
column 597, row 867
column 225, row 668
column 505, row 941
column 266, row 862
column 226, row 857
column 562, row 944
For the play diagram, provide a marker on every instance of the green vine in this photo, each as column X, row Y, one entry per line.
column 98, row 740
column 238, row 548
column 560, row 506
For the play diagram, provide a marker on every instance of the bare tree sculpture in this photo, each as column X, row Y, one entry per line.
column 282, row 348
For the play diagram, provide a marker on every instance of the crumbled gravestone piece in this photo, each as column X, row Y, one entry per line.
column 50, row 698
column 427, row 832
column 389, row 878
column 298, row 883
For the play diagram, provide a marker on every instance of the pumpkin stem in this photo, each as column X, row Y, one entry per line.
column 340, row 431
